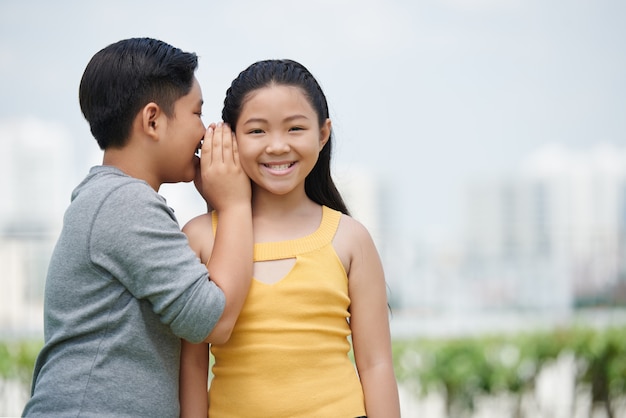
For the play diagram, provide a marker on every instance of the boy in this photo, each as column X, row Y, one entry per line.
column 123, row 286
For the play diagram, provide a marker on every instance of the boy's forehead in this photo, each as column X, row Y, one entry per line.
column 196, row 89
column 194, row 97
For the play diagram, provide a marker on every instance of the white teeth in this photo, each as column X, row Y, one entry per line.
column 278, row 166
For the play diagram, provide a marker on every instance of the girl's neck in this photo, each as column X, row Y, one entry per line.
column 279, row 218
column 269, row 204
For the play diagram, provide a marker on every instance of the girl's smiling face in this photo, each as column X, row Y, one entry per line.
column 279, row 138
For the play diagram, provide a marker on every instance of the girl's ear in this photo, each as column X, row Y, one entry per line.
column 150, row 118
column 325, row 133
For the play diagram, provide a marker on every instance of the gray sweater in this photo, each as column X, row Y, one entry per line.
column 123, row 287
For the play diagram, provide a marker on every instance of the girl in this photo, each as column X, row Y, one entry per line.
column 318, row 280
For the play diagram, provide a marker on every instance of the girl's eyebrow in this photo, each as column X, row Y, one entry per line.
column 291, row 118
column 255, row 120
column 287, row 119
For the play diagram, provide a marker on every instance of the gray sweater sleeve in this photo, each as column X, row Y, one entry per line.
column 136, row 238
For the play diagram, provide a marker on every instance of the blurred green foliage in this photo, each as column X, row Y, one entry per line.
column 17, row 359
column 464, row 369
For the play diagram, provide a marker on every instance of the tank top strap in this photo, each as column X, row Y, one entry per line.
column 214, row 221
column 324, row 235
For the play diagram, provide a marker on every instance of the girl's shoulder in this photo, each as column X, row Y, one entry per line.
column 199, row 231
column 351, row 229
column 199, row 223
column 352, row 241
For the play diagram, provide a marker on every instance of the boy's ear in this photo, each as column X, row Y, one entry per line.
column 150, row 119
column 325, row 133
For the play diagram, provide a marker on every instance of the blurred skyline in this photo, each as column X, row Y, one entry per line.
column 427, row 96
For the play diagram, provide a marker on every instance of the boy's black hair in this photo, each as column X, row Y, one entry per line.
column 125, row 76
column 319, row 185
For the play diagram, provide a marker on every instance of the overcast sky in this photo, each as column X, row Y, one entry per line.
column 426, row 94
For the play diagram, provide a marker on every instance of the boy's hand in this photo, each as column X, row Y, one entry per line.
column 221, row 181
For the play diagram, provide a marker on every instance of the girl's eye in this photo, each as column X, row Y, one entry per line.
column 296, row 128
column 255, row 131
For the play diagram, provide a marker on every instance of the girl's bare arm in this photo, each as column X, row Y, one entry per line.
column 369, row 322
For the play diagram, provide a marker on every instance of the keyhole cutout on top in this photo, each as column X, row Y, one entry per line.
column 272, row 271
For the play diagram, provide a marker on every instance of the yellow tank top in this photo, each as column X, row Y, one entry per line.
column 288, row 353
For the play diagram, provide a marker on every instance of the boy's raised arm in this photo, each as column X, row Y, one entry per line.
column 226, row 188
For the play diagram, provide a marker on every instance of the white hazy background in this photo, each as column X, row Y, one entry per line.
column 425, row 95
column 427, row 98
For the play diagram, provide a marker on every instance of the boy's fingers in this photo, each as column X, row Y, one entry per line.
column 227, row 144
column 217, row 155
column 207, row 147
column 235, row 150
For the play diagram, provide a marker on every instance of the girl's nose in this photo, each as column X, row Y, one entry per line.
column 277, row 145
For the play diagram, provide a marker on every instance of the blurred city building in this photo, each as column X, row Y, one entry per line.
column 36, row 167
column 551, row 236
column 548, row 237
